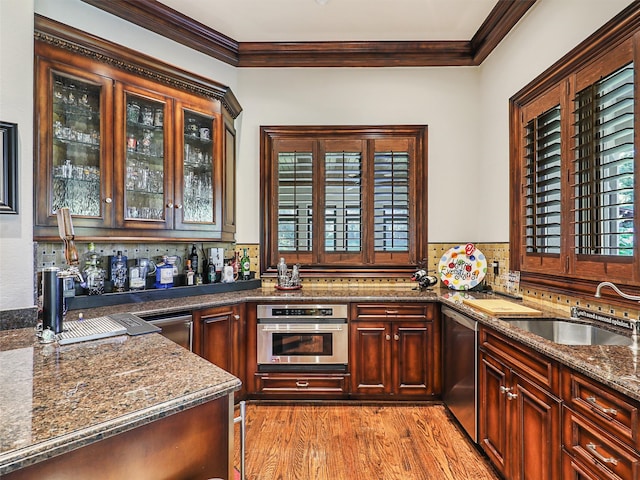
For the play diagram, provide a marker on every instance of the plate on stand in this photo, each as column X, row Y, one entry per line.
column 462, row 267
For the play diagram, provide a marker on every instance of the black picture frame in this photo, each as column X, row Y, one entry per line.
column 8, row 168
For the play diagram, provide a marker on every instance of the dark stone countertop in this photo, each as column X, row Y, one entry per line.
column 58, row 398
column 614, row 366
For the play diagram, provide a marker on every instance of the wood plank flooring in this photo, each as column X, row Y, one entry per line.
column 355, row 441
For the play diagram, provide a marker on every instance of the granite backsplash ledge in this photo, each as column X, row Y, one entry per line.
column 18, row 318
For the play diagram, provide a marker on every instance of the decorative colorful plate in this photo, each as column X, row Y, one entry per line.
column 462, row 267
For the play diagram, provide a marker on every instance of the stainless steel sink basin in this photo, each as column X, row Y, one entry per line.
column 569, row 333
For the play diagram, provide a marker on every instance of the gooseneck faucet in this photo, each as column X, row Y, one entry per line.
column 617, row 290
column 635, row 334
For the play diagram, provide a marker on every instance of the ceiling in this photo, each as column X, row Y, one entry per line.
column 329, row 33
column 338, row 20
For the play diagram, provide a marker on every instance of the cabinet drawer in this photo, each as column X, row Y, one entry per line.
column 611, row 410
column 587, row 442
column 392, row 311
column 575, row 469
column 525, row 361
column 303, row 383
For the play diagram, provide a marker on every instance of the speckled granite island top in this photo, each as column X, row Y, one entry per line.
column 57, row 398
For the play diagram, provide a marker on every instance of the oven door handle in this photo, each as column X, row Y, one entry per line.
column 303, row 328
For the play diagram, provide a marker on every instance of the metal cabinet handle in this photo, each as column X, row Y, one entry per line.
column 108, row 200
column 504, row 389
column 396, row 337
column 302, row 384
column 237, row 317
column 391, row 312
column 178, row 206
column 594, row 403
column 511, row 396
column 170, row 205
column 388, row 337
column 593, row 447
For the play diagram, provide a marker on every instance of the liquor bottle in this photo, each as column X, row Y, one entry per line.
column 211, row 274
column 164, row 274
column 189, row 273
column 245, row 266
column 93, row 273
column 194, row 259
column 119, row 272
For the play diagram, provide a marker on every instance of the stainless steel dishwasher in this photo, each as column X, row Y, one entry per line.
column 176, row 326
column 460, row 367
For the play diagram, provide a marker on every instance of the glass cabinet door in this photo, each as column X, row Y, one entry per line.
column 197, row 170
column 76, row 145
column 144, row 169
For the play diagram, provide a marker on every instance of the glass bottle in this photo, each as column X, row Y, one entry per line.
column 119, row 272
column 93, row 273
column 189, row 273
column 194, row 259
column 211, row 274
column 245, row 265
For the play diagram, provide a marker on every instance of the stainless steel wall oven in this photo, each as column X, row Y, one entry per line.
column 302, row 338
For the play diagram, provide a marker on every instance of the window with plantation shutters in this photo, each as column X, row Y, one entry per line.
column 542, row 183
column 573, row 171
column 294, row 201
column 391, row 201
column 604, row 166
column 344, row 199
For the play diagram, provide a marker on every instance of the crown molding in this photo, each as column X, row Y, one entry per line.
column 68, row 38
column 165, row 21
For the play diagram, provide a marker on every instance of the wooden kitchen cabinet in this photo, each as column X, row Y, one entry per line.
column 599, row 430
column 519, row 409
column 218, row 336
column 393, row 350
column 135, row 150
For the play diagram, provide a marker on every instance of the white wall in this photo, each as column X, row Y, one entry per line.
column 16, row 106
column 547, row 32
column 445, row 99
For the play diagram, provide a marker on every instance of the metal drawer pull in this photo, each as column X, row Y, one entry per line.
column 511, row 396
column 302, row 384
column 593, row 447
column 504, row 389
column 594, row 402
column 391, row 312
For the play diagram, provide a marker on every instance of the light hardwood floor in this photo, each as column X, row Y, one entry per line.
column 355, row 441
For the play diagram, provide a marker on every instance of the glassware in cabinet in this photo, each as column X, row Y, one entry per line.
column 197, row 168
column 76, row 146
column 144, row 159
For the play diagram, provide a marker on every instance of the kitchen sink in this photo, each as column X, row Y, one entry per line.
column 569, row 333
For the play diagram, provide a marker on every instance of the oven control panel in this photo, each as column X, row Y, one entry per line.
column 302, row 311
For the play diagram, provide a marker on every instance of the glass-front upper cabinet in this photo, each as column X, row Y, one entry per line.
column 196, row 151
column 71, row 136
column 144, row 197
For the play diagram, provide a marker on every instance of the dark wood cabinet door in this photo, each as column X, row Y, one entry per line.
column 411, row 358
column 492, row 414
column 536, row 434
column 212, row 338
column 371, row 357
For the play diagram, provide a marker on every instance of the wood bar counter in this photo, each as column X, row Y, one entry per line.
column 123, row 407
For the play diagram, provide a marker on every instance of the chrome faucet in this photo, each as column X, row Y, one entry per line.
column 635, row 328
column 617, row 290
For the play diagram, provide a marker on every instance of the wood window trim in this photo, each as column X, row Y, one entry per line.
column 625, row 27
column 387, row 266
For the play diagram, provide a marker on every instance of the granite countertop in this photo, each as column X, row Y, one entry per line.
column 615, row 366
column 58, row 398
column 55, row 398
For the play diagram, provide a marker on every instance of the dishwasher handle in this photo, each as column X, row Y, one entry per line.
column 460, row 318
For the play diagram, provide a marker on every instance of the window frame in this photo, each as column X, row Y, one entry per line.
column 367, row 262
column 570, row 273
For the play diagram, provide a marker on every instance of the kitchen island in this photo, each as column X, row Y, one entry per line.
column 121, row 407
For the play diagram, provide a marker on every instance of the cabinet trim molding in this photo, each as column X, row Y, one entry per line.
column 81, row 43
